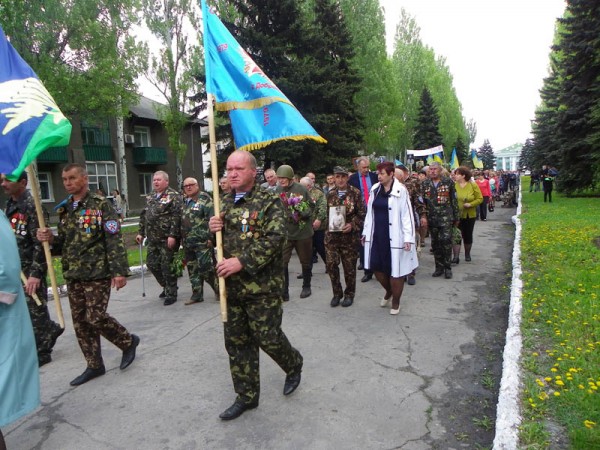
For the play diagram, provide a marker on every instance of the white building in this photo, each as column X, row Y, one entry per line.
column 508, row 158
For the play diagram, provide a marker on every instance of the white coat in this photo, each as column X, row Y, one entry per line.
column 401, row 228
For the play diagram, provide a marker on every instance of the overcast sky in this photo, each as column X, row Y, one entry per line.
column 497, row 52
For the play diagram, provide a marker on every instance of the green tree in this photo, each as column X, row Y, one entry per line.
column 526, row 158
column 462, row 150
column 486, row 155
column 427, row 133
column 174, row 23
column 83, row 51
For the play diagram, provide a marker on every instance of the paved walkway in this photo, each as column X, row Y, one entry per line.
column 370, row 380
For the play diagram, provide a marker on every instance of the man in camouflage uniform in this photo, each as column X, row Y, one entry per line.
column 160, row 222
column 254, row 231
column 197, row 240
column 93, row 260
column 413, row 186
column 439, row 195
column 20, row 210
column 319, row 218
column 341, row 245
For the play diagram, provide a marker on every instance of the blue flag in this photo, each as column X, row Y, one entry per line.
column 257, row 128
column 454, row 160
column 231, row 75
column 30, row 121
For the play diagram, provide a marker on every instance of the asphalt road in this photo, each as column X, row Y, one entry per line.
column 427, row 378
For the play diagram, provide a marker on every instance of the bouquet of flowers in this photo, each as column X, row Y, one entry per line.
column 295, row 204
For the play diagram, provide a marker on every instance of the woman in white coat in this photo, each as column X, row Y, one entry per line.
column 389, row 235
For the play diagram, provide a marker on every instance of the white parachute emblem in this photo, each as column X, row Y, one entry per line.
column 30, row 99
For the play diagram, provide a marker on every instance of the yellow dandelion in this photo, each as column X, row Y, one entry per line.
column 560, row 383
column 589, row 424
column 557, row 394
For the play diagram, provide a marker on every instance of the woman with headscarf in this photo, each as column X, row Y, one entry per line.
column 389, row 235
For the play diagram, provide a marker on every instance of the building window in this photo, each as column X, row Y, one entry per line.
column 46, row 187
column 95, row 133
column 142, row 136
column 103, row 176
column 145, row 183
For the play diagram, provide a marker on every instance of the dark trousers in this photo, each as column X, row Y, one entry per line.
column 441, row 243
column 159, row 260
column 319, row 245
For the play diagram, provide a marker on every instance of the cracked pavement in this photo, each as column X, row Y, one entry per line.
column 370, row 380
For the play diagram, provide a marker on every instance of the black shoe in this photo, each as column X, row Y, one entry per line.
column 335, row 301
column 411, row 280
column 360, row 266
column 44, row 359
column 292, row 381
column 467, row 257
column 162, row 294
column 55, row 335
column 129, row 354
column 169, row 301
column 315, row 259
column 299, row 277
column 286, row 297
column 448, row 274
column 87, row 375
column 236, row 410
column 455, row 260
column 347, row 301
column 366, row 278
column 306, row 292
column 438, row 273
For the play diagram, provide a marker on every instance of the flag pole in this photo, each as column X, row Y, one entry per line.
column 40, row 215
column 216, row 200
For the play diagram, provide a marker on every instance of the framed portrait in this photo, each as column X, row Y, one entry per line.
column 337, row 218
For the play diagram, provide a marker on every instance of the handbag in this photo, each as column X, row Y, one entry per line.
column 490, row 207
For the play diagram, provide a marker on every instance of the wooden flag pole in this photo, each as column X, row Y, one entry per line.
column 34, row 296
column 216, row 200
column 40, row 215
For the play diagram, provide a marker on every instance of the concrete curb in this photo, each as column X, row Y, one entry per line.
column 508, row 415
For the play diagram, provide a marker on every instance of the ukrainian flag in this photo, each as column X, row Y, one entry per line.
column 454, row 160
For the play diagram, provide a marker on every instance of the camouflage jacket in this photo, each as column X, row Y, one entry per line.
column 320, row 207
column 194, row 221
column 416, row 199
column 161, row 218
column 441, row 201
column 299, row 218
column 254, row 231
column 89, row 239
column 23, row 220
column 355, row 213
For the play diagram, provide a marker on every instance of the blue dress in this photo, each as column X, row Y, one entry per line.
column 381, row 254
column 19, row 375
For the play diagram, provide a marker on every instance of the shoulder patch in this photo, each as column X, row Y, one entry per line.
column 112, row 226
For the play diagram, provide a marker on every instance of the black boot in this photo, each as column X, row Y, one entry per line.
column 286, row 285
column 306, row 278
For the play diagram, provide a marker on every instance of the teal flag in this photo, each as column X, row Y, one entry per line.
column 231, row 75
column 257, row 128
column 30, row 121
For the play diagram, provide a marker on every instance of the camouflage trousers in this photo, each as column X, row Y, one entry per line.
column 44, row 328
column 159, row 260
column 347, row 253
column 441, row 243
column 88, row 301
column 201, row 268
column 253, row 323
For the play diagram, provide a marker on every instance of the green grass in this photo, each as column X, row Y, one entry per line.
column 561, row 319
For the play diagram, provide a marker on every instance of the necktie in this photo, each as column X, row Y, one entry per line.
column 365, row 189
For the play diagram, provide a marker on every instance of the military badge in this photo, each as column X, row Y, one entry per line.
column 112, row 226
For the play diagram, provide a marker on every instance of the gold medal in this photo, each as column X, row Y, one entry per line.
column 243, row 236
column 256, row 235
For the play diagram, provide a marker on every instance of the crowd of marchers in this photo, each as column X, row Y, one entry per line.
column 374, row 221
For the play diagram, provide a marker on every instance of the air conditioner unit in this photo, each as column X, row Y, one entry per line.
column 129, row 139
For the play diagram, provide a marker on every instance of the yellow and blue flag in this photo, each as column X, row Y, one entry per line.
column 30, row 121
column 257, row 128
column 454, row 164
column 231, row 75
column 476, row 161
column 439, row 157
